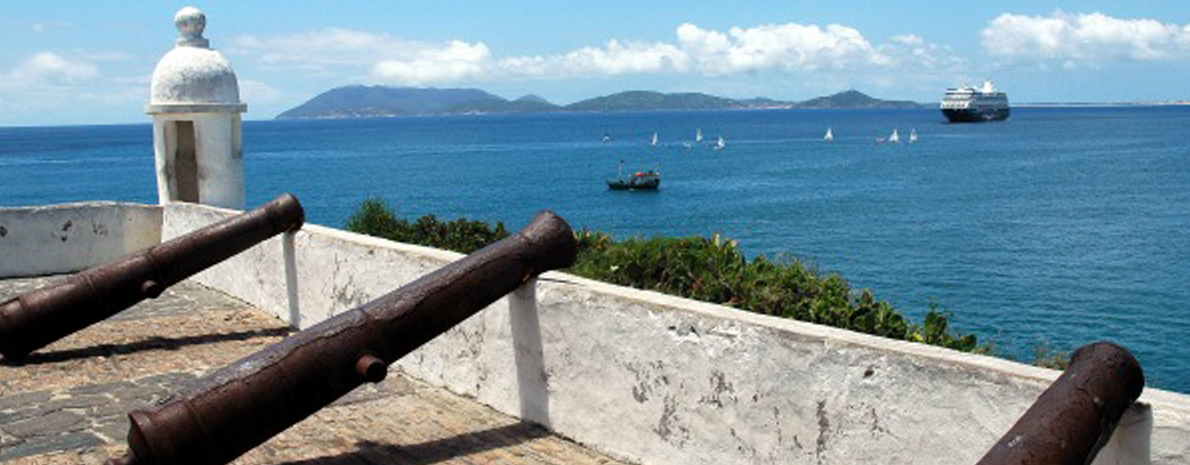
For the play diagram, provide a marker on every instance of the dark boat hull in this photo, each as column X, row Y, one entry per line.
column 627, row 185
column 975, row 116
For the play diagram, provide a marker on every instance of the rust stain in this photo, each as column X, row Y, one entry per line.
column 1077, row 414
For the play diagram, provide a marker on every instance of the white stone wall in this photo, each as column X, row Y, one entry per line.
column 336, row 270
column 66, row 238
column 217, row 146
column 663, row 380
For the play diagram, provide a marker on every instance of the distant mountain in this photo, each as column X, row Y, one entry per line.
column 637, row 100
column 502, row 106
column 533, row 98
column 855, row 99
column 380, row 101
column 765, row 102
column 369, row 101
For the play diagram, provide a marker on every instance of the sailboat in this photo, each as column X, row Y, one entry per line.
column 698, row 136
column 720, row 145
column 654, row 143
column 894, row 138
column 912, row 135
column 829, row 135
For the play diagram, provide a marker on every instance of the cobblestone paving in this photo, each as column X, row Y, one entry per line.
column 67, row 403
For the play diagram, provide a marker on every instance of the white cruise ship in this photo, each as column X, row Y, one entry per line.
column 967, row 104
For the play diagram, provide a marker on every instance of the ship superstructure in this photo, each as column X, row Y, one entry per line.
column 967, row 104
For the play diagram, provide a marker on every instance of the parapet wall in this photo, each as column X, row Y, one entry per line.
column 663, row 380
column 639, row 375
column 66, row 238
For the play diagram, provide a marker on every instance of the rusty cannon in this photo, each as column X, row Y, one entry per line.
column 42, row 316
column 1077, row 414
column 228, row 412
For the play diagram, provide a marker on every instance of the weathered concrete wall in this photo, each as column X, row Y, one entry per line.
column 70, row 237
column 662, row 380
column 336, row 270
column 220, row 165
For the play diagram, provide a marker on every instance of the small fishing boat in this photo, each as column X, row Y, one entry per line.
column 640, row 180
column 829, row 135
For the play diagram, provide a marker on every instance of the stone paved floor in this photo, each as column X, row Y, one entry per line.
column 66, row 404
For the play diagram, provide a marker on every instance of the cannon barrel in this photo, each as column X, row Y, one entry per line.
column 42, row 316
column 1077, row 414
column 228, row 412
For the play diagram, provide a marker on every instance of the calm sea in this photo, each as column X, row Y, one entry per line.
column 1058, row 227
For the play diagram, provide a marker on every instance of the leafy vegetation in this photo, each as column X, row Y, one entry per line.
column 374, row 218
column 1046, row 357
column 709, row 269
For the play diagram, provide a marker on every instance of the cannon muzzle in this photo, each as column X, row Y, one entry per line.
column 1077, row 414
column 40, row 317
column 236, row 408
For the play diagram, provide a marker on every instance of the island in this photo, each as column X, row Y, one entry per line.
column 382, row 101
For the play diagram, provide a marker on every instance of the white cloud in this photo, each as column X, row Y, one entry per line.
column 615, row 58
column 45, row 26
column 1072, row 38
column 909, row 40
column 48, row 69
column 456, row 61
column 325, row 50
column 781, row 48
column 258, row 92
column 787, row 47
column 47, row 81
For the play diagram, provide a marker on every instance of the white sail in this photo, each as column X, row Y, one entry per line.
column 894, row 138
column 698, row 136
column 912, row 135
column 719, row 145
column 829, row 135
column 654, row 143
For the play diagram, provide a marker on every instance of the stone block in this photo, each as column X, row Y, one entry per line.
column 47, row 444
column 49, row 424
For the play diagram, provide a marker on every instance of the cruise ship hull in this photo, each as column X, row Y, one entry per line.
column 975, row 116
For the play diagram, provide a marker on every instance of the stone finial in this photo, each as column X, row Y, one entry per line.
column 191, row 22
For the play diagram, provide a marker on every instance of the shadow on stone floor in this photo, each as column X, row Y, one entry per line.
column 153, row 343
column 432, row 452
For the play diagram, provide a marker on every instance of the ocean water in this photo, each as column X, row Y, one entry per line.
column 1057, row 227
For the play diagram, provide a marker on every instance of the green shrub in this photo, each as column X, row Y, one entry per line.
column 374, row 218
column 709, row 269
column 1046, row 357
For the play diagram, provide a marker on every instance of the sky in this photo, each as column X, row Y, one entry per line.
column 91, row 62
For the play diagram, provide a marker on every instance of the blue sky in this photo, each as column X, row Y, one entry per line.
column 84, row 62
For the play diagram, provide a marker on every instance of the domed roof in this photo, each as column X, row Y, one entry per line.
column 192, row 77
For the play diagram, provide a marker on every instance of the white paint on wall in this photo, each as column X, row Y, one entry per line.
column 70, row 237
column 663, row 380
column 219, row 158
